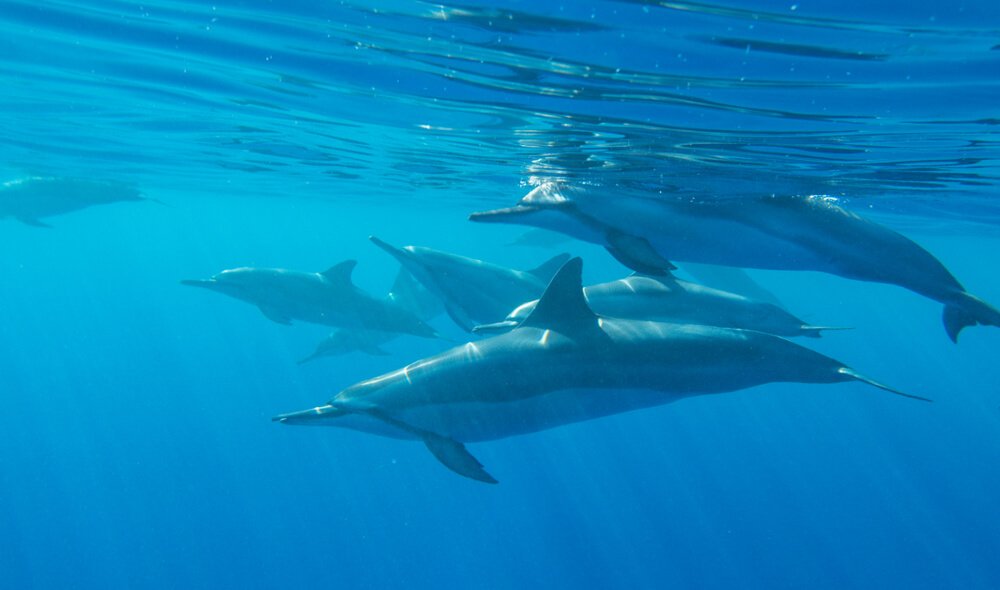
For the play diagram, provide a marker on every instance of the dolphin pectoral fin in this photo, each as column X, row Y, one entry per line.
column 852, row 374
column 459, row 318
column 970, row 311
column 33, row 222
column 374, row 350
column 453, row 455
column 275, row 315
column 636, row 253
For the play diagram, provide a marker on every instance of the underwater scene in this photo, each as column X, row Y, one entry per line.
column 403, row 294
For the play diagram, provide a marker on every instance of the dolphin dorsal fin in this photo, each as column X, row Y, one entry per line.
column 546, row 270
column 562, row 305
column 340, row 273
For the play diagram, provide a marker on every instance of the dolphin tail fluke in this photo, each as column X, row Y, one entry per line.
column 453, row 455
column 968, row 310
column 852, row 374
column 816, row 331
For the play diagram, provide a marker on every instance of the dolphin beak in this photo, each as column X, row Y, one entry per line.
column 310, row 416
column 399, row 254
column 496, row 327
column 204, row 283
column 501, row 215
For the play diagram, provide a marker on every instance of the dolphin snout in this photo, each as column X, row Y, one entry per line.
column 499, row 215
column 205, row 283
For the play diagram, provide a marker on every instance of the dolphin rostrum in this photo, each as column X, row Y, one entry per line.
column 32, row 199
column 666, row 298
column 329, row 298
column 473, row 291
column 563, row 364
column 777, row 233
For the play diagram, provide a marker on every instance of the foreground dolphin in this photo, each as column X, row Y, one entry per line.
column 563, row 364
column 328, row 298
column 669, row 299
column 32, row 199
column 473, row 292
column 778, row 233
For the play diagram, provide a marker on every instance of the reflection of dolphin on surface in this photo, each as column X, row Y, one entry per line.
column 32, row 199
column 328, row 298
column 668, row 299
column 778, row 233
column 407, row 293
column 563, row 364
column 473, row 292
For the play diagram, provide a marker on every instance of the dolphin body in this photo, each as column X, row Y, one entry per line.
column 669, row 299
column 563, row 364
column 473, row 292
column 329, row 298
column 777, row 233
column 29, row 200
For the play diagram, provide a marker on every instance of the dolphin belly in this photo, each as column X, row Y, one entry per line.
column 470, row 422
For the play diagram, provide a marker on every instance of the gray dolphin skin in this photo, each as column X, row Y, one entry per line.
column 666, row 298
column 473, row 291
column 777, row 233
column 32, row 199
column 563, row 364
column 405, row 292
column 328, row 298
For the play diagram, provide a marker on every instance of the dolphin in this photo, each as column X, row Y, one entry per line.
column 329, row 298
column 669, row 299
column 31, row 199
column 773, row 232
column 473, row 291
column 405, row 292
column 563, row 364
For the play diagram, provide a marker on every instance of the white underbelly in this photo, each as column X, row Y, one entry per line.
column 482, row 421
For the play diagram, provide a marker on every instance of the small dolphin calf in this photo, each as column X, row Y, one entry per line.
column 666, row 298
column 32, row 199
column 778, row 233
column 328, row 298
column 563, row 364
column 473, row 291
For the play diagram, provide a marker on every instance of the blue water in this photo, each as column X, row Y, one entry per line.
column 136, row 449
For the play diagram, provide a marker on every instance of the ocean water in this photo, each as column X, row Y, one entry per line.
column 136, row 447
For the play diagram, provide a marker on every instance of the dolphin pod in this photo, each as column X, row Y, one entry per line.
column 667, row 298
column 329, row 298
column 32, row 199
column 563, row 364
column 778, row 233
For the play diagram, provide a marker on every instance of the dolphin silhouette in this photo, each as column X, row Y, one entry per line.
column 32, row 199
column 778, row 233
column 328, row 298
column 669, row 299
column 563, row 364
column 473, row 291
